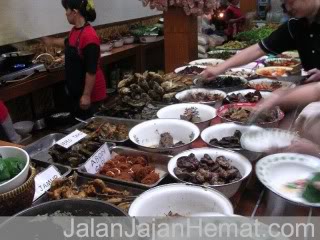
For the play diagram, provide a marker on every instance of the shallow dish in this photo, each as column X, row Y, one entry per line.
column 246, row 91
column 178, row 70
column 118, row 43
column 266, row 139
column 23, row 128
column 146, row 135
column 106, row 47
column 18, row 180
column 128, row 40
column 182, row 95
column 273, row 72
column 206, row 113
column 237, row 160
column 282, row 62
column 207, row 62
column 222, row 130
column 278, row 170
column 222, row 110
column 182, row 199
column 266, row 84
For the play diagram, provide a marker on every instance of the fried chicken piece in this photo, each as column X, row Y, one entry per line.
column 142, row 173
column 125, row 176
column 151, row 178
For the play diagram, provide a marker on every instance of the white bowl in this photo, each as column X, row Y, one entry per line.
column 278, row 170
column 128, row 40
column 23, row 128
column 267, row 81
column 106, row 47
column 209, row 62
column 118, row 43
column 178, row 70
column 266, row 139
column 279, row 62
column 206, row 113
column 181, row 95
column 146, row 135
column 6, row 152
column 222, row 130
column 148, row 39
column 237, row 160
column 185, row 200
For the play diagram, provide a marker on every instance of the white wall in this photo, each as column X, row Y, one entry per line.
column 22, row 20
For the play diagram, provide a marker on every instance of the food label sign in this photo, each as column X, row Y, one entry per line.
column 71, row 139
column 44, row 179
column 98, row 159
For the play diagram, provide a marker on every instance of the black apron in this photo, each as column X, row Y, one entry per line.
column 75, row 75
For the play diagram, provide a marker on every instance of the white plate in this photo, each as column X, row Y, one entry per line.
column 264, row 94
column 180, row 199
column 260, row 71
column 207, row 62
column 206, row 113
column 291, row 54
column 267, row 81
column 181, row 95
column 237, row 160
column 266, row 139
column 276, row 171
column 178, row 70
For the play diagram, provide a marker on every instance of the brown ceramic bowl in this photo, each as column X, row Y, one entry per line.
column 20, row 198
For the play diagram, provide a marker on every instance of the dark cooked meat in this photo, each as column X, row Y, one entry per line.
column 202, row 97
column 243, row 115
column 251, row 97
column 206, row 171
column 228, row 142
column 166, row 141
column 222, row 82
column 191, row 70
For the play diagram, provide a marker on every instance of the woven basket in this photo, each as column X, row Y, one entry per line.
column 20, row 198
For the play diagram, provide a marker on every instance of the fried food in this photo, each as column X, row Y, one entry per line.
column 130, row 168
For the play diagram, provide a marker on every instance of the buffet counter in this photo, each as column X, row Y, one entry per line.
column 43, row 80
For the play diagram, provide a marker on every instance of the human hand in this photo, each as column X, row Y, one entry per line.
column 85, row 102
column 314, row 76
column 210, row 73
column 299, row 145
column 268, row 103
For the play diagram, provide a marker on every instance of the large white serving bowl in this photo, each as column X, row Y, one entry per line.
column 237, row 160
column 182, row 199
column 180, row 69
column 206, row 113
column 267, row 82
column 146, row 135
column 182, row 95
column 9, row 152
column 222, row 130
column 278, row 170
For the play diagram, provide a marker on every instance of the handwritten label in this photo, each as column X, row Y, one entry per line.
column 71, row 139
column 44, row 179
column 98, row 159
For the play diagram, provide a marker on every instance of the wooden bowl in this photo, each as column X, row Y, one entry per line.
column 20, row 198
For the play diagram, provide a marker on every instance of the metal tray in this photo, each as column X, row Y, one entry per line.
column 64, row 171
column 128, row 122
column 159, row 161
column 39, row 149
column 83, row 180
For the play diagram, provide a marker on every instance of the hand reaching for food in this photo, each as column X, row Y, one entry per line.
column 314, row 76
column 210, row 73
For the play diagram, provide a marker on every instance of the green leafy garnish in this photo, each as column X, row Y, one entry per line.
column 311, row 194
column 10, row 167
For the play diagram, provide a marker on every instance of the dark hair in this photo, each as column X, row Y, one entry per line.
column 80, row 5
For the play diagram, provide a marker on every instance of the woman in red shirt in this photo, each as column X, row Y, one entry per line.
column 235, row 19
column 85, row 82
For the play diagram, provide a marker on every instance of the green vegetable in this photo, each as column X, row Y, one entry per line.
column 10, row 167
column 311, row 194
column 255, row 35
